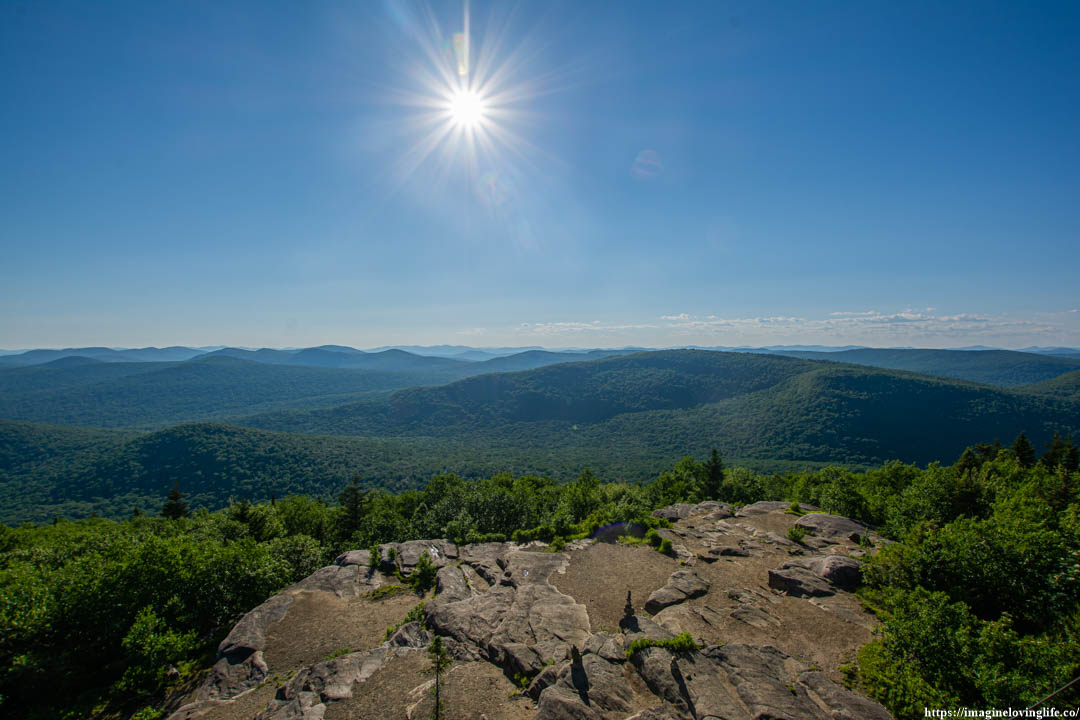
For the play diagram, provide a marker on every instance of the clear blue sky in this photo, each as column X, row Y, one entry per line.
column 713, row 173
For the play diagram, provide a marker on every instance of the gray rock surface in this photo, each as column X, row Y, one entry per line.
column 682, row 585
column 677, row 511
column 797, row 581
column 826, row 525
column 768, row 506
column 496, row 603
column 522, row 607
column 451, row 584
column 840, row 570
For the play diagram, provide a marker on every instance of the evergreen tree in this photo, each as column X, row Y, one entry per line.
column 1023, row 451
column 352, row 507
column 175, row 508
column 440, row 662
column 988, row 451
column 1071, row 459
column 423, row 575
column 714, row 477
column 1060, row 452
column 968, row 461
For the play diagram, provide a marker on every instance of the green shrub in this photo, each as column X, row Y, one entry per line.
column 151, row 646
column 796, row 533
column 653, row 538
column 423, row 575
column 680, row 643
column 665, row 547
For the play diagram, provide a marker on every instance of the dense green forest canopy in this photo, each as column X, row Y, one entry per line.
column 154, row 395
column 764, row 406
column 1065, row 386
column 978, row 596
column 627, row 417
column 231, row 385
column 77, row 390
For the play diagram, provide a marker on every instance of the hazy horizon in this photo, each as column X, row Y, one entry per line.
column 509, row 349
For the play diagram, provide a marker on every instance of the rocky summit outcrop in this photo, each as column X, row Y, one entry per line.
column 551, row 635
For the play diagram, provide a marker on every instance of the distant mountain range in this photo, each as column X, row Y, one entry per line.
column 995, row 367
column 345, row 356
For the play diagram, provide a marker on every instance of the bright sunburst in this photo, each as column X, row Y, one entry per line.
column 468, row 100
column 467, row 109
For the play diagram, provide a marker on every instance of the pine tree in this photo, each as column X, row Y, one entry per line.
column 352, row 507
column 1023, row 451
column 175, row 508
column 1060, row 452
column 440, row 662
column 1071, row 458
column 1055, row 453
column 714, row 476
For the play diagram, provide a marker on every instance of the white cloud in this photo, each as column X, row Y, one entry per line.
column 868, row 324
column 574, row 327
column 923, row 328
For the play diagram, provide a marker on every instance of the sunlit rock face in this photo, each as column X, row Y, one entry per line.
column 583, row 633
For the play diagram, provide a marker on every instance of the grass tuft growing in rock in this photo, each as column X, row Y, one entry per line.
column 680, row 643
column 386, row 591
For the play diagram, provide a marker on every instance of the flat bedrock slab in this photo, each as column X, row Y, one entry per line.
column 681, row 586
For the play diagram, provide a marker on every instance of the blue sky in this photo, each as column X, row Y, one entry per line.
column 880, row 173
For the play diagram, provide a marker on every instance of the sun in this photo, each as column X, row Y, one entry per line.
column 467, row 101
column 467, row 109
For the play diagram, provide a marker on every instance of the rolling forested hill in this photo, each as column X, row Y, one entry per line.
column 76, row 390
column 754, row 406
column 625, row 417
column 154, row 395
column 1063, row 386
column 994, row 367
